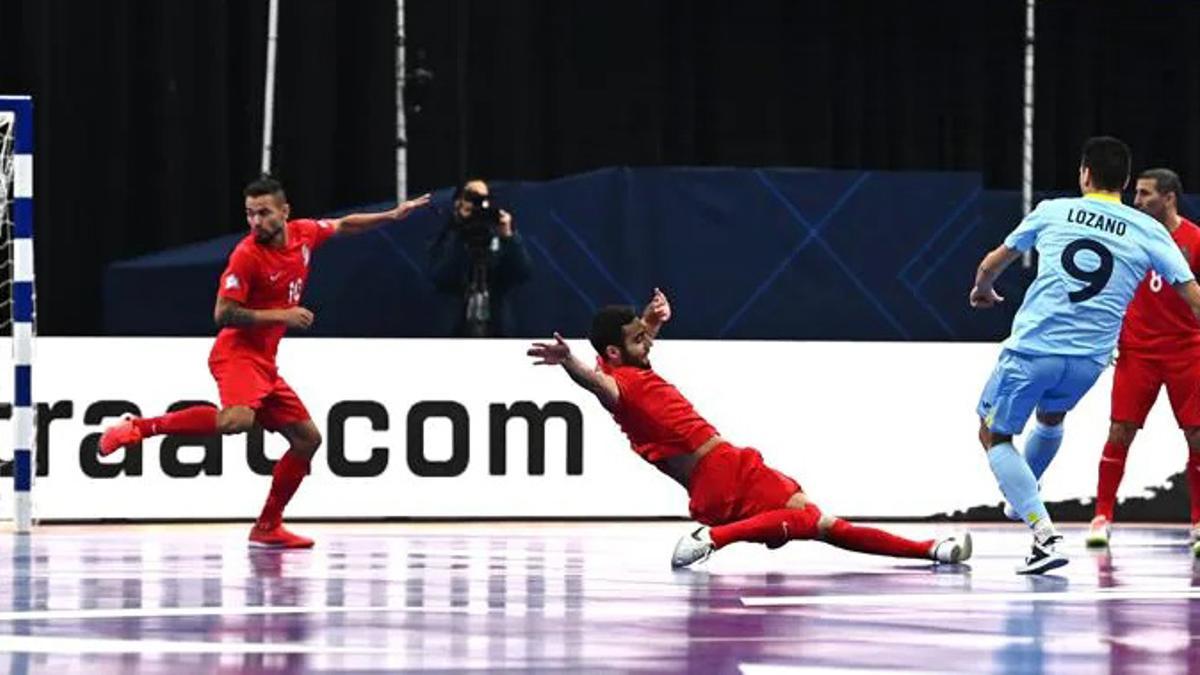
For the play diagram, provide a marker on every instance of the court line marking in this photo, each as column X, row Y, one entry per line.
column 170, row 612
column 904, row 599
column 775, row 669
column 76, row 645
column 477, row 609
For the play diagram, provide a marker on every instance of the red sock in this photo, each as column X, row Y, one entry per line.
column 1112, row 469
column 870, row 540
column 770, row 527
column 289, row 471
column 198, row 420
column 1193, row 474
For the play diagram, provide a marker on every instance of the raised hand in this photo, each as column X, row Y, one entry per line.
column 406, row 207
column 659, row 310
column 505, row 227
column 550, row 354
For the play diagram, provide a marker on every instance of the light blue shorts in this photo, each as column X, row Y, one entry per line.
column 1022, row 383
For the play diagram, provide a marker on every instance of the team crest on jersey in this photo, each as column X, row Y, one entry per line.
column 305, row 252
column 231, row 281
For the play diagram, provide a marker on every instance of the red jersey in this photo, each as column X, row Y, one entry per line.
column 659, row 422
column 261, row 277
column 1158, row 321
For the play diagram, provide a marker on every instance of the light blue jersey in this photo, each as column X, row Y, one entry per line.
column 1093, row 251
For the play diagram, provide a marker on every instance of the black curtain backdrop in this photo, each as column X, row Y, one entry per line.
column 149, row 113
column 149, row 120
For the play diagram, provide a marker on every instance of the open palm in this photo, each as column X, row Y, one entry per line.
column 550, row 354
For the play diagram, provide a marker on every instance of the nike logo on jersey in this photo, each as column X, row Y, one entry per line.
column 275, row 276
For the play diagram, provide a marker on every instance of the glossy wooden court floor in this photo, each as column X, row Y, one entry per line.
column 580, row 597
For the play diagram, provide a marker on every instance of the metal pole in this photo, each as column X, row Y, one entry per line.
column 1027, row 139
column 401, row 122
column 269, row 88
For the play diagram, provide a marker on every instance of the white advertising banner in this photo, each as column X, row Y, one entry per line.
column 439, row 428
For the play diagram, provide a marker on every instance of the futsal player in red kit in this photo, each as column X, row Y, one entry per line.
column 732, row 493
column 1159, row 346
column 258, row 300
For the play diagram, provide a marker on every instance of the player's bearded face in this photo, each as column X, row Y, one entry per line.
column 637, row 343
column 266, row 215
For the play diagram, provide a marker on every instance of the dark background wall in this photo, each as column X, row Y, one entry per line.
column 149, row 112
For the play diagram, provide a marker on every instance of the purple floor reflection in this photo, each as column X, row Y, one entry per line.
column 594, row 597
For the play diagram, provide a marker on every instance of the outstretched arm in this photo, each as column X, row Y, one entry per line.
column 361, row 222
column 657, row 312
column 602, row 386
column 983, row 294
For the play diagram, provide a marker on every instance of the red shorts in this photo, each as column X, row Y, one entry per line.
column 252, row 384
column 1138, row 379
column 730, row 484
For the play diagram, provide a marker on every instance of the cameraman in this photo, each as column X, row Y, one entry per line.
column 476, row 260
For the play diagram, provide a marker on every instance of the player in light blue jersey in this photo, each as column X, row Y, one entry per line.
column 1093, row 251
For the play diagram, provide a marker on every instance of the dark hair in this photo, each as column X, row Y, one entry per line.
column 451, row 212
column 606, row 326
column 1165, row 180
column 266, row 184
column 1108, row 159
column 461, row 188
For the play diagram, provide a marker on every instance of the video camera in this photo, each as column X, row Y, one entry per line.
column 477, row 231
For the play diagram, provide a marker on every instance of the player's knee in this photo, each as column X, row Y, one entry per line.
column 1122, row 433
column 313, row 441
column 797, row 501
column 1051, row 419
column 1192, row 435
column 991, row 439
column 305, row 439
column 824, row 524
column 235, row 420
column 985, row 436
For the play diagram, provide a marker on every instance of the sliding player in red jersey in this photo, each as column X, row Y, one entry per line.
column 732, row 492
column 1159, row 346
column 258, row 299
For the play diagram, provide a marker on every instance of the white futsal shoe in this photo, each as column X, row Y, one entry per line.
column 952, row 549
column 692, row 548
column 1099, row 532
column 1044, row 556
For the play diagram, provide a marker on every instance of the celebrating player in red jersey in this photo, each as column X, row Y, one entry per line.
column 1159, row 345
column 735, row 495
column 258, row 299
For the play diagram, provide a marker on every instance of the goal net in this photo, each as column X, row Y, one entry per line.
column 17, row 302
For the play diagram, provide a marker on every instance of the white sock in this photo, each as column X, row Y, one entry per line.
column 1043, row 529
